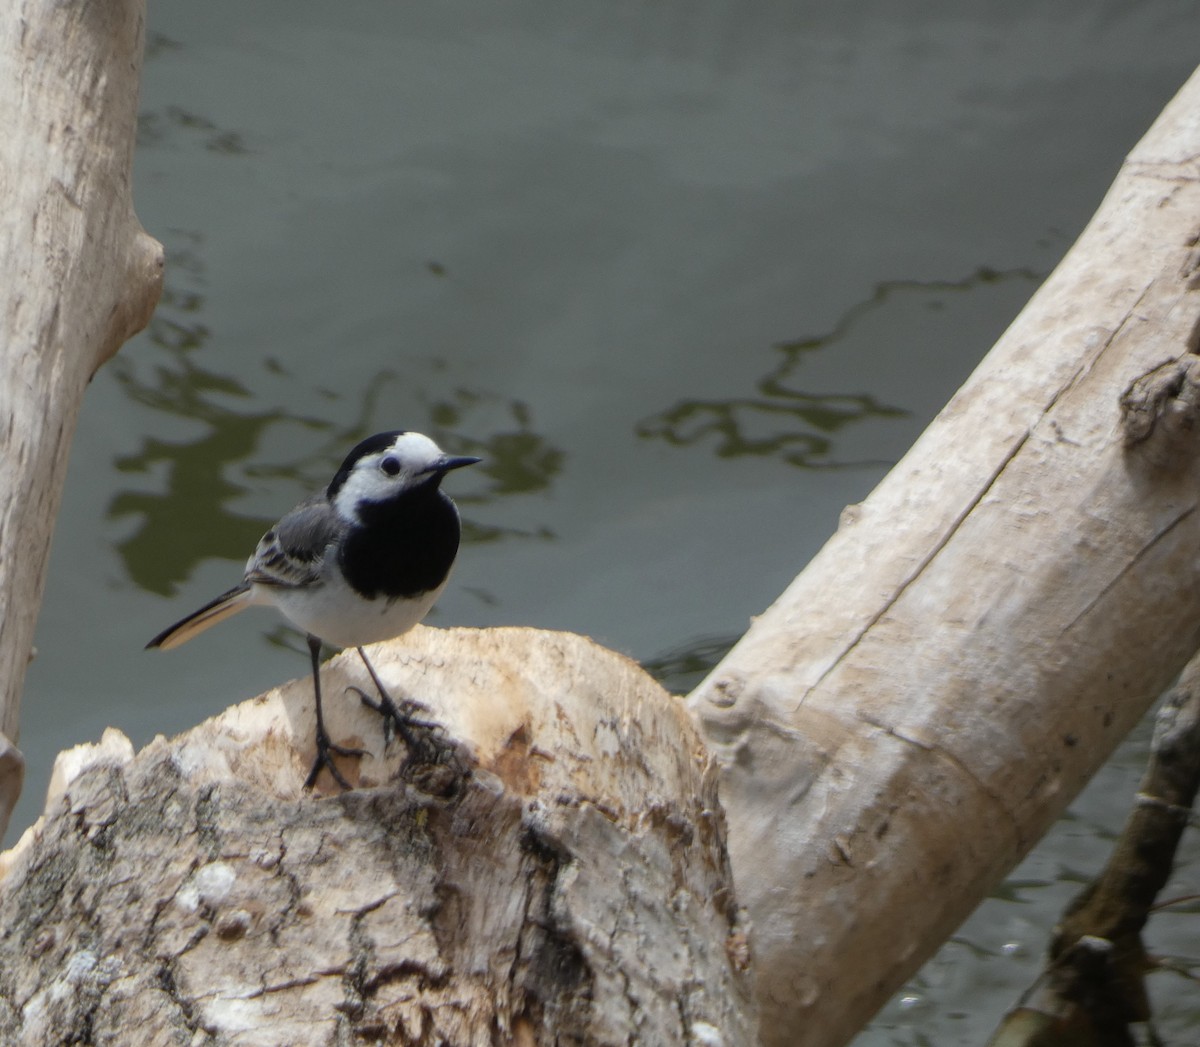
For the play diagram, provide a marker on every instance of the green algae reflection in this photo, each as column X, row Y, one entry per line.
column 783, row 417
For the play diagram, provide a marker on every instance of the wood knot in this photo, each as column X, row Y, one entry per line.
column 1160, row 412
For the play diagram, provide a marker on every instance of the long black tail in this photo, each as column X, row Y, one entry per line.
column 228, row 603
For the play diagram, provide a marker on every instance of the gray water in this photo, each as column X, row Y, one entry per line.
column 689, row 277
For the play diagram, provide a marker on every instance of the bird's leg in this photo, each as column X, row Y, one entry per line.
column 396, row 718
column 324, row 745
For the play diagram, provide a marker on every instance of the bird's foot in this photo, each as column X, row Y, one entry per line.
column 398, row 717
column 428, row 748
column 326, row 749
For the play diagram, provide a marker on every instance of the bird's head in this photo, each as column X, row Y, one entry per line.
column 387, row 465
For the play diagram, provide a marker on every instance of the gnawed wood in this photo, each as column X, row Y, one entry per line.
column 571, row 888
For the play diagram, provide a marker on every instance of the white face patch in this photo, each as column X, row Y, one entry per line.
column 384, row 474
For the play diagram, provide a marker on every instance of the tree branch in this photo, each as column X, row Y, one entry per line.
column 81, row 276
column 1093, row 988
column 929, row 694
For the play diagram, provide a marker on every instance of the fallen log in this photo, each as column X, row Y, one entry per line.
column 923, row 701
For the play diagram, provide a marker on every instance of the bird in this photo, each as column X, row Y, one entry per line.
column 363, row 560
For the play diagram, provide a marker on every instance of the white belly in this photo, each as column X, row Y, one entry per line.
column 340, row 617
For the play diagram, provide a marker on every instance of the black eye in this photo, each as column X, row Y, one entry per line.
column 390, row 465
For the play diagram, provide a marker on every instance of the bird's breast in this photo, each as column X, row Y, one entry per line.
column 401, row 548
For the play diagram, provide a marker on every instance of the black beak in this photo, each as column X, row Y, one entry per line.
column 448, row 462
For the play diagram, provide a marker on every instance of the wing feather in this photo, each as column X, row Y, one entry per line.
column 292, row 553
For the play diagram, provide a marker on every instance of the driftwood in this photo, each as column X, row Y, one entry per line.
column 1093, row 989
column 565, row 882
column 81, row 277
column 928, row 695
column 893, row 734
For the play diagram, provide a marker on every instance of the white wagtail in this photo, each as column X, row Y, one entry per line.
column 362, row 561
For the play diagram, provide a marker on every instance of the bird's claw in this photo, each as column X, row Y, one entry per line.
column 324, row 758
column 397, row 718
column 424, row 739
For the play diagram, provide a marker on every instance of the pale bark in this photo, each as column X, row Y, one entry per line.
column 80, row 277
column 573, row 889
column 928, row 695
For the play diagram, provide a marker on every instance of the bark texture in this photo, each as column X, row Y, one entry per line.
column 572, row 888
column 81, row 276
column 924, row 700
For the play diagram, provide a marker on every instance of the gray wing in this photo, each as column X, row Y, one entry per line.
column 292, row 553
